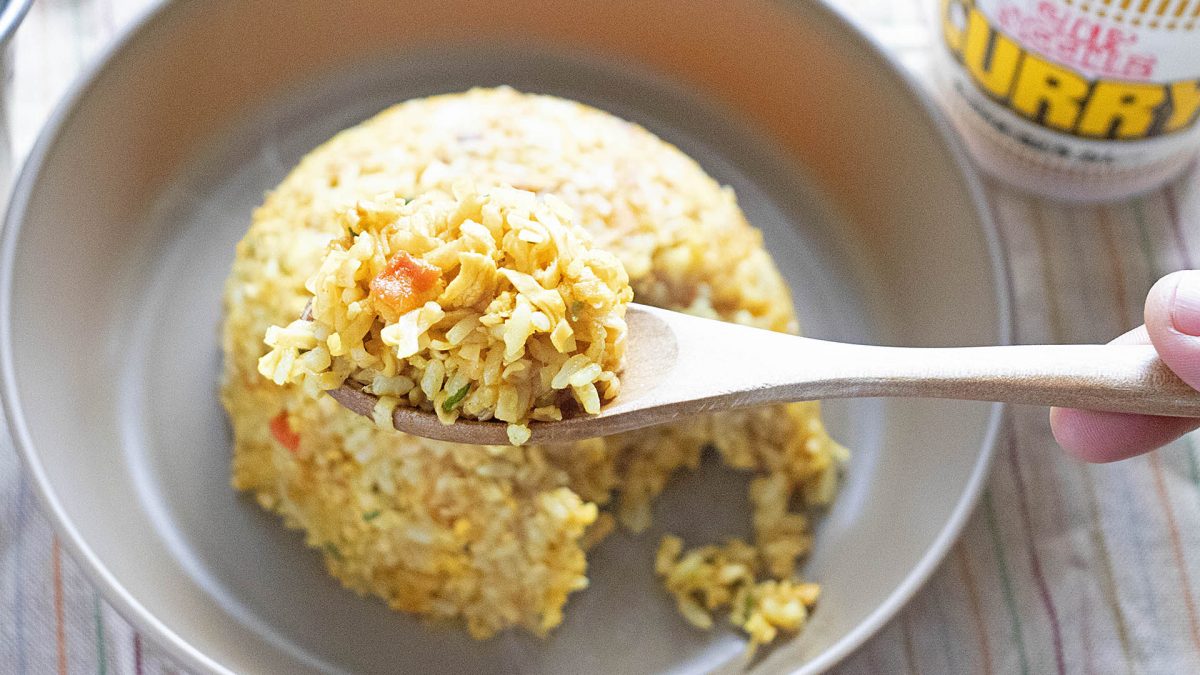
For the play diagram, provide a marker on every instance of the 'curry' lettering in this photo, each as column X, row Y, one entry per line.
column 1057, row 97
column 1121, row 110
column 1049, row 94
column 990, row 56
column 1185, row 105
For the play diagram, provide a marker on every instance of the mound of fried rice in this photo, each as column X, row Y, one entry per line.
column 495, row 537
column 489, row 304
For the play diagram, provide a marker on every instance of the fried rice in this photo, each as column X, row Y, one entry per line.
column 496, row 537
column 485, row 303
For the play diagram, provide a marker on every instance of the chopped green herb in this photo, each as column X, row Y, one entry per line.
column 333, row 551
column 371, row 515
column 748, row 606
column 455, row 398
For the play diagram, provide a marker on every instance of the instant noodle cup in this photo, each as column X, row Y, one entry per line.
column 1077, row 100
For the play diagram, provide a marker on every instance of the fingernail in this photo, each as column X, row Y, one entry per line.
column 1185, row 306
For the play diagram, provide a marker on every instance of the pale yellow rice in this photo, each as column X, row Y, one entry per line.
column 519, row 317
column 495, row 537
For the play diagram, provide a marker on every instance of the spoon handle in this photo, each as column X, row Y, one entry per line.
column 1119, row 378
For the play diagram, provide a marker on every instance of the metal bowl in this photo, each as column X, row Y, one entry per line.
column 12, row 12
column 123, row 227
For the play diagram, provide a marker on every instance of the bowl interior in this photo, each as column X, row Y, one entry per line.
column 129, row 220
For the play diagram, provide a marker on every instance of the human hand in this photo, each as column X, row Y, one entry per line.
column 1173, row 326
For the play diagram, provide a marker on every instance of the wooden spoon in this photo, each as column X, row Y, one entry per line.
column 678, row 365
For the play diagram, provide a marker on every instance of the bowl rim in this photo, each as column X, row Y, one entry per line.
column 1002, row 284
column 176, row 646
column 12, row 12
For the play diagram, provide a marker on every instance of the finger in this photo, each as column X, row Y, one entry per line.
column 1095, row 436
column 1107, row 437
column 1173, row 323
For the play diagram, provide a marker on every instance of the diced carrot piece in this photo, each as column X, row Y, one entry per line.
column 404, row 284
column 282, row 431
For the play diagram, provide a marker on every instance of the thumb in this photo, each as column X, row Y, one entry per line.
column 1173, row 323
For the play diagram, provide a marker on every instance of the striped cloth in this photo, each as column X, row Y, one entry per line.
column 1063, row 568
